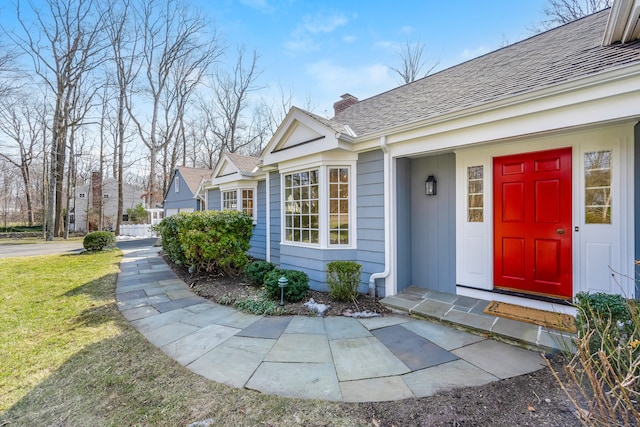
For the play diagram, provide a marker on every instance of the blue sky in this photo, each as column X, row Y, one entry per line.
column 321, row 50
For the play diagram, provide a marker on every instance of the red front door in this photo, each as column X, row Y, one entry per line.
column 532, row 222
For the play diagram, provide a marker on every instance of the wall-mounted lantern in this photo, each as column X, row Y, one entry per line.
column 430, row 186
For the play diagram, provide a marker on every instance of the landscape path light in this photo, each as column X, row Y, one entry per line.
column 282, row 283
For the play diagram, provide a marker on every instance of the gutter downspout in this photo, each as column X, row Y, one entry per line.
column 387, row 219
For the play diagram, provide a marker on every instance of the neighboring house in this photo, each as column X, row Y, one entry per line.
column 100, row 199
column 238, row 184
column 182, row 195
column 513, row 174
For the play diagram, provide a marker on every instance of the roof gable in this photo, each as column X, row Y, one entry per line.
column 193, row 176
column 302, row 133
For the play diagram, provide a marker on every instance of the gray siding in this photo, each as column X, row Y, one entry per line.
column 258, row 240
column 636, row 203
column 313, row 262
column 433, row 224
column 370, row 212
column 213, row 200
column 274, row 184
column 403, row 220
column 180, row 200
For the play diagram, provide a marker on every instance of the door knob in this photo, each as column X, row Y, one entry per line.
column 560, row 231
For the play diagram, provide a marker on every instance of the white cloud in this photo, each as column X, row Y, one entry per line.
column 474, row 53
column 322, row 23
column 303, row 36
column 407, row 30
column 349, row 39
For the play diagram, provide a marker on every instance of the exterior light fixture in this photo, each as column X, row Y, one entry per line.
column 430, row 186
column 282, row 283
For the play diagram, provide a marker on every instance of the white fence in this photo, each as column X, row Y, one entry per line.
column 137, row 230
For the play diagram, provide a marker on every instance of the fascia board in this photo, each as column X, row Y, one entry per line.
column 606, row 85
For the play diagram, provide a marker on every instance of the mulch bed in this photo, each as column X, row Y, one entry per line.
column 222, row 289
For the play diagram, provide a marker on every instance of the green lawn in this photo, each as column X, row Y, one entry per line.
column 67, row 357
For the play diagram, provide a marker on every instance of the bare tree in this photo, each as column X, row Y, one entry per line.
column 174, row 41
column 64, row 43
column 225, row 110
column 411, row 62
column 23, row 123
column 559, row 12
column 122, row 31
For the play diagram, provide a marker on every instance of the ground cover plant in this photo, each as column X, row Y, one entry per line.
column 69, row 358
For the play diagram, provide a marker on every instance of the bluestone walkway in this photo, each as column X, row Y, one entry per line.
column 333, row 358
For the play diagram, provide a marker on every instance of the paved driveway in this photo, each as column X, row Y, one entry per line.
column 57, row 247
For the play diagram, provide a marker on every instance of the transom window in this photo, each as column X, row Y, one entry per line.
column 597, row 178
column 475, row 194
column 301, row 207
column 316, row 206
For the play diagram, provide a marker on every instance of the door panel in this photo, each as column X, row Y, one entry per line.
column 532, row 223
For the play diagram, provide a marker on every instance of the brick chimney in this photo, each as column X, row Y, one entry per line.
column 346, row 101
column 96, row 189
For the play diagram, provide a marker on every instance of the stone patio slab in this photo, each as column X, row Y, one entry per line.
column 382, row 322
column 139, row 313
column 431, row 308
column 141, row 302
column 499, row 359
column 511, row 328
column 306, row 325
column 297, row 380
column 178, row 303
column 245, row 353
column 339, row 328
column 193, row 346
column 361, row 358
column 447, row 376
column 169, row 333
column 207, row 314
column 413, row 350
column 302, row 348
column 131, row 295
column 375, row 390
column 267, row 327
column 443, row 336
column 238, row 320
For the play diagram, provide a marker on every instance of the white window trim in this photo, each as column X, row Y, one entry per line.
column 238, row 189
column 323, row 204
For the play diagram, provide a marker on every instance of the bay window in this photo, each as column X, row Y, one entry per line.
column 316, row 206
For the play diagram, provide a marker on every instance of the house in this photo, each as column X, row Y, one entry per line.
column 512, row 176
column 95, row 205
column 182, row 195
column 237, row 183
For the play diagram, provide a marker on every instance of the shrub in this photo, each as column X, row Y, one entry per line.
column 210, row 241
column 99, row 240
column 255, row 271
column 297, row 286
column 601, row 378
column 169, row 230
column 600, row 311
column 343, row 279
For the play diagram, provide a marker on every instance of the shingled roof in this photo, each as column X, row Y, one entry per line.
column 570, row 52
column 193, row 176
column 246, row 164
